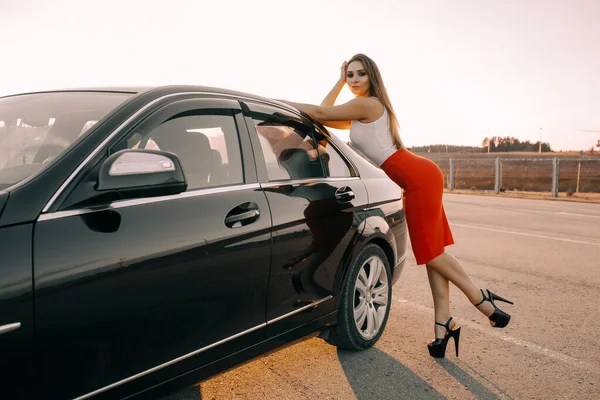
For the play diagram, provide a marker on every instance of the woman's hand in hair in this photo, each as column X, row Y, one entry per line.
column 343, row 72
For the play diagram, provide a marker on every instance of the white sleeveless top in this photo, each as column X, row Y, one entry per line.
column 374, row 139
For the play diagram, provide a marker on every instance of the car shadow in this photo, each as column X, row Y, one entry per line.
column 373, row 374
column 188, row 393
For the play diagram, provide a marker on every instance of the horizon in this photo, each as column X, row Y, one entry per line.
column 455, row 73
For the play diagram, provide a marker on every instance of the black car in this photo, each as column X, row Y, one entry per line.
column 152, row 236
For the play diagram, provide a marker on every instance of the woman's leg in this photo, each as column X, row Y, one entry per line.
column 449, row 268
column 440, row 290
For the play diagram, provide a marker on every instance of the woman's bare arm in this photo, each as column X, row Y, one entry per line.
column 332, row 96
column 358, row 109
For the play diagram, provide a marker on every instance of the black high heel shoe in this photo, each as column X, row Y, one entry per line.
column 499, row 317
column 437, row 348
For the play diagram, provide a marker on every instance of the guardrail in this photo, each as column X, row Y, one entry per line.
column 580, row 175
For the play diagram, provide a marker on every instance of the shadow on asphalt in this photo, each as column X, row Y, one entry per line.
column 373, row 374
column 472, row 384
column 189, row 393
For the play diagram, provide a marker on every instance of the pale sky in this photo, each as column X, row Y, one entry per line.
column 456, row 70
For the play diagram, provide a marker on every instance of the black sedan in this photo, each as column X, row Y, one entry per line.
column 153, row 236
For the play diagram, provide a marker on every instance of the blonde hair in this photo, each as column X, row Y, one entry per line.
column 377, row 89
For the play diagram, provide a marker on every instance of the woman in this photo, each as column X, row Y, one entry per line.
column 374, row 131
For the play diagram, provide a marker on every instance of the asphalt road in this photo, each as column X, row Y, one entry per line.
column 544, row 255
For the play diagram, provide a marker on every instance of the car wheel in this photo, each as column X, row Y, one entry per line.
column 365, row 302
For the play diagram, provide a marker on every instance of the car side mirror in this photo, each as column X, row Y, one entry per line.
column 142, row 173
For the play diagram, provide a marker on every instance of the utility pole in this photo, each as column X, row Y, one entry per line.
column 540, row 140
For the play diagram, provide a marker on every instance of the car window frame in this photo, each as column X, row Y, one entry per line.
column 354, row 173
column 171, row 108
column 161, row 117
column 249, row 107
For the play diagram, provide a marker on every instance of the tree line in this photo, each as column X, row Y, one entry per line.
column 509, row 143
column 495, row 144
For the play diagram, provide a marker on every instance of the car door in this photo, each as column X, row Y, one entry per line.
column 16, row 311
column 160, row 285
column 316, row 214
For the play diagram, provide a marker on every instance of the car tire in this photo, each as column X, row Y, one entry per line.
column 365, row 301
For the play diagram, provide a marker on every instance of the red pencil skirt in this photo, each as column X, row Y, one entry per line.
column 423, row 184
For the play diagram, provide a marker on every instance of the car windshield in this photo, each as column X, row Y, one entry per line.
column 37, row 128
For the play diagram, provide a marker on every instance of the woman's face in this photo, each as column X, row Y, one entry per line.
column 358, row 79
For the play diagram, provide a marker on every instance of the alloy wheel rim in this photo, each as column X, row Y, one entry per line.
column 371, row 297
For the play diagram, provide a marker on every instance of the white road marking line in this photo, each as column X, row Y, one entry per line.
column 577, row 215
column 525, row 234
column 521, row 343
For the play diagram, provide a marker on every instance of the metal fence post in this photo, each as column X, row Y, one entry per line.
column 497, row 182
column 578, row 175
column 555, row 172
column 451, row 173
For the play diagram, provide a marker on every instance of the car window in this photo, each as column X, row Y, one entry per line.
column 36, row 129
column 206, row 143
column 289, row 149
column 335, row 165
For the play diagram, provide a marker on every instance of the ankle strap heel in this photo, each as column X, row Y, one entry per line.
column 499, row 318
column 437, row 348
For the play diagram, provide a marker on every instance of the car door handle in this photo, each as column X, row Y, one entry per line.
column 9, row 327
column 344, row 195
column 236, row 217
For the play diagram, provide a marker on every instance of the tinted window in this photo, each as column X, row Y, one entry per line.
column 289, row 149
column 335, row 165
column 206, row 143
column 37, row 128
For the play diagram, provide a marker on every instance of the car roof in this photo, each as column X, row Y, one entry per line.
column 111, row 89
column 153, row 92
column 159, row 91
column 164, row 89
